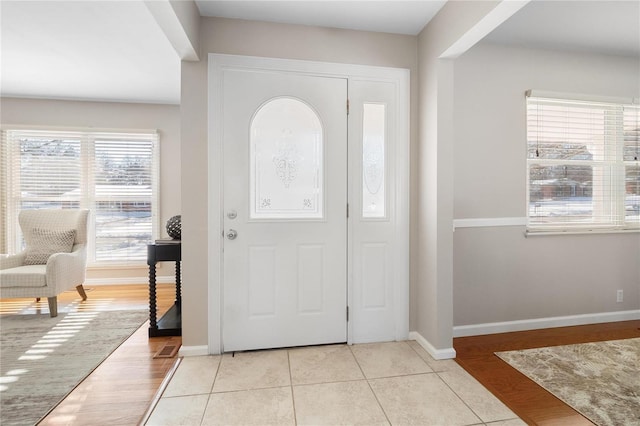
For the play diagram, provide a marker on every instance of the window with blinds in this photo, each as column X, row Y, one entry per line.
column 113, row 174
column 583, row 170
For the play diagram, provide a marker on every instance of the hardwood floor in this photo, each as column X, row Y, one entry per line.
column 524, row 397
column 121, row 389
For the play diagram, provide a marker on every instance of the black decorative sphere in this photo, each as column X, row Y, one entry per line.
column 174, row 227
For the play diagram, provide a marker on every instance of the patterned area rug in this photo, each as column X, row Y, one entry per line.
column 600, row 380
column 42, row 359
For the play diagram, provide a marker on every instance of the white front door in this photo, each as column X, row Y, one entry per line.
column 284, row 206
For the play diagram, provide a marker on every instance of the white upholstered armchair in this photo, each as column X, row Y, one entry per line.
column 55, row 257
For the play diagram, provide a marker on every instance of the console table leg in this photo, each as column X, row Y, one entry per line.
column 152, row 298
column 178, row 286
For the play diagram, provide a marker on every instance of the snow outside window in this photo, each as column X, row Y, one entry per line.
column 583, row 170
column 115, row 175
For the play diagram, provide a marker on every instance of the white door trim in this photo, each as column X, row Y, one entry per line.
column 400, row 77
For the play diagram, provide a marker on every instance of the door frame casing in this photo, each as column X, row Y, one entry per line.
column 217, row 64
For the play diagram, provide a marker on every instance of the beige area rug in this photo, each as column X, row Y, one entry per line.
column 42, row 359
column 600, row 380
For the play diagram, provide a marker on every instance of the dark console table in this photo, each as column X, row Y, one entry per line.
column 171, row 323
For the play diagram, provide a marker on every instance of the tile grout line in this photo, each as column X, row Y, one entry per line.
column 455, row 393
column 423, row 360
column 217, row 372
column 330, row 382
column 468, row 406
column 440, row 378
column 204, row 412
column 293, row 398
column 432, row 371
column 461, row 399
column 246, row 390
column 205, row 409
column 369, row 384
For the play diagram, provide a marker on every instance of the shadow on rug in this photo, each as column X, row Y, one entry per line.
column 600, row 380
column 42, row 359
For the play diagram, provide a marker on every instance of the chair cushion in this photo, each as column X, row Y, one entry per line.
column 42, row 243
column 24, row 276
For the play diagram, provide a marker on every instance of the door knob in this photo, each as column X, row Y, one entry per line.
column 232, row 234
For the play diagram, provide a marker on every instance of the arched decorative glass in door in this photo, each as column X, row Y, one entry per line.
column 286, row 158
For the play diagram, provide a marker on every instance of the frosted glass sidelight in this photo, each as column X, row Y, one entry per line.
column 286, row 157
column 373, row 160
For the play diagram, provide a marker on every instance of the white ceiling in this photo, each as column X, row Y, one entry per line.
column 392, row 16
column 115, row 50
column 606, row 27
column 86, row 50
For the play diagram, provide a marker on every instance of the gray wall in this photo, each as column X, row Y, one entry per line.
column 113, row 115
column 432, row 299
column 499, row 275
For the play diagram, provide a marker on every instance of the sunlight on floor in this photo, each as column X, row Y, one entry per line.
column 14, row 307
column 77, row 314
column 10, row 377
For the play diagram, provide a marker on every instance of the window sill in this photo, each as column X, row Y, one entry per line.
column 98, row 266
column 553, row 232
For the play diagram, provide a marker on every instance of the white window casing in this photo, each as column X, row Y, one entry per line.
column 583, row 170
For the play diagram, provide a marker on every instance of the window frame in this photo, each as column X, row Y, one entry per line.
column 89, row 197
column 613, row 200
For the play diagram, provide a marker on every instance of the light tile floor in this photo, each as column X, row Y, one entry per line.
column 394, row 383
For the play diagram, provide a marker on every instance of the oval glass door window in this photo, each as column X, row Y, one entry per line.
column 286, row 157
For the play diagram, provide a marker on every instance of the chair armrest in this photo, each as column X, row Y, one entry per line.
column 67, row 270
column 12, row 260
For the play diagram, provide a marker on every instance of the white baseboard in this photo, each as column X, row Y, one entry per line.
column 448, row 353
column 533, row 324
column 193, row 350
column 169, row 279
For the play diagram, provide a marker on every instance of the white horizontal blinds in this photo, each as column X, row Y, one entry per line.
column 113, row 174
column 575, row 163
column 631, row 133
column 4, row 193
column 631, row 158
column 44, row 172
column 47, row 169
column 123, row 171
